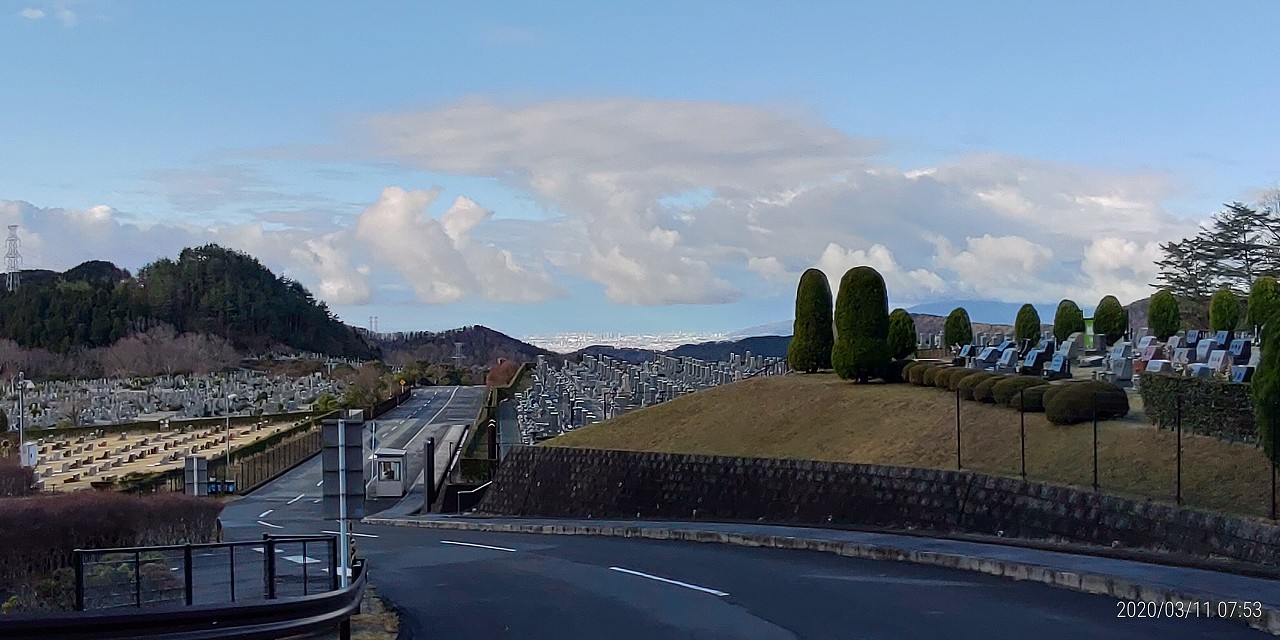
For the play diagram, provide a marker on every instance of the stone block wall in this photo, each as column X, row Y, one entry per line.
column 578, row 483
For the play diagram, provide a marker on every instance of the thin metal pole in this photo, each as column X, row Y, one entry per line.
column 187, row 581
column 1274, row 453
column 305, row 581
column 429, row 464
column 343, row 532
column 137, row 578
column 1022, row 430
column 233, row 572
column 1177, row 421
column 958, row 466
column 21, row 410
column 79, row 560
column 1095, row 440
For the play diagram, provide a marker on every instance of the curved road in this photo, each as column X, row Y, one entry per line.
column 460, row 585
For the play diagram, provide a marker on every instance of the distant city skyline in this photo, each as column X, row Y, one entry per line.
column 635, row 168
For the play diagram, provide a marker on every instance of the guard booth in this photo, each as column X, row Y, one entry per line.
column 389, row 476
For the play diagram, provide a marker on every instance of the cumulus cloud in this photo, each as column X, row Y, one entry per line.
column 901, row 283
column 31, row 13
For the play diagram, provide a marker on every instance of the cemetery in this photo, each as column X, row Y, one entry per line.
column 79, row 433
column 602, row 387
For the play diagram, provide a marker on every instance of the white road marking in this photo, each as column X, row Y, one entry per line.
column 316, row 501
column 352, row 533
column 300, row 496
column 320, row 483
column 482, row 546
column 300, row 559
column 670, row 581
column 265, row 513
column 268, row 524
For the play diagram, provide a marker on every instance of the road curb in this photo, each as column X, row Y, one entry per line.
column 1093, row 583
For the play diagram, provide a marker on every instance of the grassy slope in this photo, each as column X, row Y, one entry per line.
column 820, row 417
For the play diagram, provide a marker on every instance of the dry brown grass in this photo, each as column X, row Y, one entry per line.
column 375, row 621
column 820, row 417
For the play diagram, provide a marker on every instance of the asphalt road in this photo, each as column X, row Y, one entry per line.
column 461, row 585
column 290, row 505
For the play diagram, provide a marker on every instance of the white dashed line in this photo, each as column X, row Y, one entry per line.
column 268, row 524
column 300, row 496
column 265, row 513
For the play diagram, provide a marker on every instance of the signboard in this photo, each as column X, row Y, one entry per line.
column 197, row 476
column 348, row 446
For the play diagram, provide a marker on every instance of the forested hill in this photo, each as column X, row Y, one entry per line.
column 480, row 345
column 208, row 289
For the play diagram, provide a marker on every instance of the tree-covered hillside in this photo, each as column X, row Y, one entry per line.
column 208, row 289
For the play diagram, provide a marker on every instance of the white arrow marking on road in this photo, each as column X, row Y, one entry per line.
column 670, row 581
column 300, row 496
column 268, row 524
column 352, row 533
column 265, row 513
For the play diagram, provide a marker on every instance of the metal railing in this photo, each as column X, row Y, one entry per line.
column 469, row 492
column 205, row 574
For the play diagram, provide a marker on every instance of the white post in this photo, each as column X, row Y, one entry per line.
column 21, row 409
column 344, row 549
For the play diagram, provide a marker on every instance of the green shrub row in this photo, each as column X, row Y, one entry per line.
column 1068, row 403
column 1209, row 407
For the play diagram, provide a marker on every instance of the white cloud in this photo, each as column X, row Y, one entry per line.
column 770, row 268
column 330, row 263
column 902, row 284
column 67, row 17
column 31, row 13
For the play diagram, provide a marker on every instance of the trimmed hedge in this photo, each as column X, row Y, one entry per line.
column 1213, row 408
column 966, row 384
column 930, row 376
column 896, row 371
column 1033, row 397
column 982, row 392
column 1010, row 387
column 1075, row 402
column 1052, row 391
column 915, row 373
column 956, row 375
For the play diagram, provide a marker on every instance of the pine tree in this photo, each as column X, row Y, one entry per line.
column 812, row 338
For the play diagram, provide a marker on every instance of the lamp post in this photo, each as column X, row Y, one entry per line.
column 22, row 406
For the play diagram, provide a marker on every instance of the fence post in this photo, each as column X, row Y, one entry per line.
column 429, row 452
column 78, row 558
column 187, row 580
column 137, row 578
column 958, row 465
column 1022, row 430
column 1272, row 460
column 269, row 558
column 333, row 561
column 1095, row 440
column 1177, row 421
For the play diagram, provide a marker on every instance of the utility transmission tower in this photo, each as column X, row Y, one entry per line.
column 457, row 354
column 12, row 259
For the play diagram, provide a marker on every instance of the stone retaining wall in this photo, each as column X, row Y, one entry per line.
column 579, row 483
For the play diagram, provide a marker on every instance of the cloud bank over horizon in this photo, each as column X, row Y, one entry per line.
column 656, row 203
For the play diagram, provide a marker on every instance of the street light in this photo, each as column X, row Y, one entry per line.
column 23, row 386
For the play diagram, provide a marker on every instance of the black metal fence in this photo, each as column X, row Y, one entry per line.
column 1128, row 457
column 206, row 574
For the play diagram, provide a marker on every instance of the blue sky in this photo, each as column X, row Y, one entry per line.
column 542, row 167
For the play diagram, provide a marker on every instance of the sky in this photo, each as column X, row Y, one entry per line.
column 635, row 167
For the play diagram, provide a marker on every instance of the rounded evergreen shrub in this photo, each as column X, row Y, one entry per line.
column 1068, row 319
column 1110, row 319
column 811, row 335
column 1264, row 300
column 1026, row 326
column 982, row 392
column 902, row 338
column 915, row 373
column 930, row 376
column 1224, row 310
column 1009, row 388
column 967, row 384
column 896, row 371
column 957, row 330
column 1074, row 403
column 1266, row 393
column 1033, row 397
column 1163, row 315
column 862, row 326
column 953, row 377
